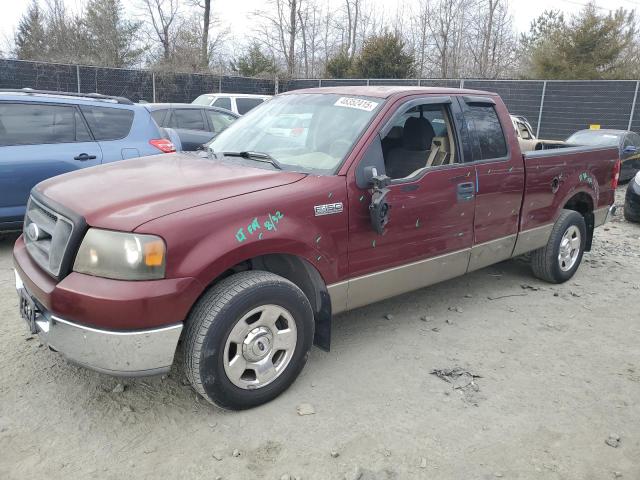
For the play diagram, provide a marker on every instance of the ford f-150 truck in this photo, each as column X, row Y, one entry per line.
column 245, row 255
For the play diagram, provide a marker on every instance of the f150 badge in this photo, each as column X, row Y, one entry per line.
column 328, row 209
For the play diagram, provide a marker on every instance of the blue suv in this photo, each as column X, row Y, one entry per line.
column 44, row 134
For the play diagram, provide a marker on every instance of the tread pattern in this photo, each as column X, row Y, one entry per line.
column 206, row 312
column 543, row 260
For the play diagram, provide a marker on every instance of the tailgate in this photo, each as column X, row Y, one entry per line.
column 553, row 177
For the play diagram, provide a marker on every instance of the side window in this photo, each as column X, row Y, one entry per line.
column 223, row 102
column 421, row 137
column 246, row 104
column 158, row 116
column 484, row 120
column 635, row 139
column 188, row 118
column 218, row 120
column 108, row 123
column 32, row 124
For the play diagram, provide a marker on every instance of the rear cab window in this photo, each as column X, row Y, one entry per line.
column 108, row 123
column 41, row 123
column 244, row 104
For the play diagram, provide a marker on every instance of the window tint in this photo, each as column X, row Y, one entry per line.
column 223, row 102
column 484, row 120
column 218, row 120
column 32, row 124
column 158, row 116
column 421, row 137
column 246, row 104
column 189, row 118
column 108, row 123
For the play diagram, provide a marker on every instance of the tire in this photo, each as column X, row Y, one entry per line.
column 547, row 263
column 629, row 216
column 267, row 311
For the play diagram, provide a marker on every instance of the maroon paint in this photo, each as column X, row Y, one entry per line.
column 197, row 206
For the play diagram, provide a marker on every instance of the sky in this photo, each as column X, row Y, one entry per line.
column 234, row 13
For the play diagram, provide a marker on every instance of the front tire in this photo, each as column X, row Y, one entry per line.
column 559, row 260
column 247, row 339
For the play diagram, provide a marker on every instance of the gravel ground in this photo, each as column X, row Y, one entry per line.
column 546, row 374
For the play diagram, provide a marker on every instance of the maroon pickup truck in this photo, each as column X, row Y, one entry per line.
column 245, row 255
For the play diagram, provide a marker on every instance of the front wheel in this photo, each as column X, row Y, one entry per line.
column 559, row 260
column 247, row 339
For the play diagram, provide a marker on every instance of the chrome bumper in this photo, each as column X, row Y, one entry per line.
column 603, row 215
column 120, row 353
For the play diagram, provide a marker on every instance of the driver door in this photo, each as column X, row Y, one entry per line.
column 431, row 198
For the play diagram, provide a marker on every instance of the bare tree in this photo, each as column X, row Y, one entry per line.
column 279, row 30
column 163, row 15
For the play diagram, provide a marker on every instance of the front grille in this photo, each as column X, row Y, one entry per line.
column 46, row 235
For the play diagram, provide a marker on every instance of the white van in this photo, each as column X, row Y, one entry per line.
column 239, row 103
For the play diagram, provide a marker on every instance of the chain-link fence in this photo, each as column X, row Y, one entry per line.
column 136, row 85
column 555, row 109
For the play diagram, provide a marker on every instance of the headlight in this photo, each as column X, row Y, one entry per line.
column 121, row 256
column 637, row 179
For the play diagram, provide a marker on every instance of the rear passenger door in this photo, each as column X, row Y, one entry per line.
column 499, row 180
column 39, row 141
column 111, row 127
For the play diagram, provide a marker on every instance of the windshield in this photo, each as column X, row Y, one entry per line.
column 303, row 132
column 593, row 137
column 202, row 100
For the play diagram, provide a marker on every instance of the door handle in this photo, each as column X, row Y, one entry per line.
column 83, row 157
column 465, row 191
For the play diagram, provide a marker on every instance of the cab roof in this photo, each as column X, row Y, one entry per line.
column 388, row 91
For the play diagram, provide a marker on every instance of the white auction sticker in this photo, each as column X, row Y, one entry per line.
column 359, row 103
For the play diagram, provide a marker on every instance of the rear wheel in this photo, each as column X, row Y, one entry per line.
column 559, row 260
column 247, row 339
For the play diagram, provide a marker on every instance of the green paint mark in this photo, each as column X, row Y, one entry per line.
column 373, row 244
column 417, row 223
column 319, row 258
column 361, row 197
column 330, row 194
column 318, row 238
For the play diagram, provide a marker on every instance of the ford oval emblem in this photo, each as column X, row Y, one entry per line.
column 33, row 232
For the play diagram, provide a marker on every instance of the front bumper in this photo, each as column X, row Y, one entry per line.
column 121, row 353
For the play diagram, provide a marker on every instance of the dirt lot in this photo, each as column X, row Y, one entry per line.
column 559, row 371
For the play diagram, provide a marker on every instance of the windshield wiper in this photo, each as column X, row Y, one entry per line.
column 257, row 156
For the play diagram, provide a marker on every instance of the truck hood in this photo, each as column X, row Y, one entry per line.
column 126, row 194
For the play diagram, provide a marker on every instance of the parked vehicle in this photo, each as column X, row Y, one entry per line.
column 246, row 256
column 627, row 143
column 194, row 124
column 43, row 134
column 632, row 200
column 527, row 139
column 239, row 103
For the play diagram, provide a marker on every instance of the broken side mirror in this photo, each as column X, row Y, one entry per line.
column 379, row 208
